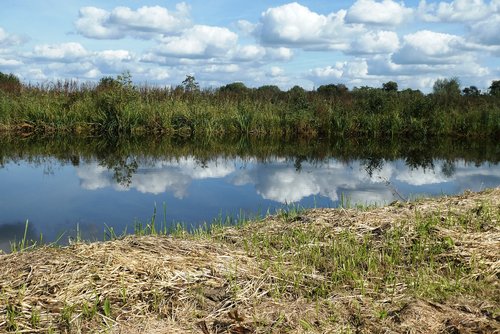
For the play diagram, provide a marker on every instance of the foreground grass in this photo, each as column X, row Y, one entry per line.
column 431, row 266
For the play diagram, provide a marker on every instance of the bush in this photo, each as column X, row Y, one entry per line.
column 495, row 88
column 234, row 88
column 390, row 86
column 10, row 84
column 447, row 87
column 332, row 90
column 114, row 95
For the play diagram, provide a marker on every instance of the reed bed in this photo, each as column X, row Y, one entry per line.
column 430, row 266
column 116, row 106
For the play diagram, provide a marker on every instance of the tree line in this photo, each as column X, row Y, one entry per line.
column 449, row 87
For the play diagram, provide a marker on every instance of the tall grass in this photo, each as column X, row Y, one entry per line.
column 116, row 106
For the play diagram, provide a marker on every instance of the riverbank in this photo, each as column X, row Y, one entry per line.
column 117, row 107
column 429, row 266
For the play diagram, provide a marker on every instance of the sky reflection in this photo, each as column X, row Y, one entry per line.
column 280, row 181
column 94, row 196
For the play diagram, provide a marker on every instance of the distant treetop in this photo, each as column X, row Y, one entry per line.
column 390, row 86
column 190, row 84
column 495, row 88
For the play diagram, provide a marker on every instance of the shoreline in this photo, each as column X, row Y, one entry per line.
column 429, row 266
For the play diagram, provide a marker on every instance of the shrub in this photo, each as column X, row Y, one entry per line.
column 9, row 83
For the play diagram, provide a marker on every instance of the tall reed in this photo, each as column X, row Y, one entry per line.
column 116, row 106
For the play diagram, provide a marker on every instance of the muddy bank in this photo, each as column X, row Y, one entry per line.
column 430, row 266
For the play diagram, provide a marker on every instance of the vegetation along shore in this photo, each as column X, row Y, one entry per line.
column 117, row 106
column 428, row 266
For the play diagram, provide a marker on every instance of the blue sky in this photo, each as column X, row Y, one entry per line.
column 309, row 43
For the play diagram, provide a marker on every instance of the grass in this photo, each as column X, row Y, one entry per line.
column 26, row 244
column 430, row 266
column 116, row 107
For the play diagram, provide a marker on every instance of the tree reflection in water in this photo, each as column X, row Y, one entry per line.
column 124, row 155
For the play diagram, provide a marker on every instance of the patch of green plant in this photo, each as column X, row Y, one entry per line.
column 35, row 318
column 106, row 307
column 12, row 312
column 115, row 106
column 314, row 263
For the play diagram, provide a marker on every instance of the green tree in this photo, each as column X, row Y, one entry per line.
column 341, row 88
column 268, row 92
column 123, row 80
column 332, row 90
column 235, row 87
column 190, row 84
column 390, row 86
column 495, row 88
column 297, row 90
column 298, row 97
column 269, row 88
column 447, row 87
column 471, row 91
column 107, row 83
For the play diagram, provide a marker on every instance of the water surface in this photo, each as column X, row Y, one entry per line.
column 57, row 184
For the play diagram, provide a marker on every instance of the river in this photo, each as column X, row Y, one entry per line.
column 94, row 185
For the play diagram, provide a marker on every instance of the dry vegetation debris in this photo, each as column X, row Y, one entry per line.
column 430, row 266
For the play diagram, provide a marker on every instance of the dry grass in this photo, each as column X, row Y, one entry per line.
column 432, row 266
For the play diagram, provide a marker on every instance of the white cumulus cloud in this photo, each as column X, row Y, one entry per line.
column 8, row 39
column 454, row 11
column 64, row 52
column 276, row 71
column 248, row 52
column 10, row 63
column 292, row 23
column 114, row 55
column 487, row 31
column 296, row 25
column 386, row 12
column 153, row 74
column 279, row 53
column 328, row 72
column 200, row 41
column 144, row 22
column 352, row 72
column 254, row 53
column 92, row 23
column 376, row 42
column 429, row 47
column 225, row 68
column 246, row 27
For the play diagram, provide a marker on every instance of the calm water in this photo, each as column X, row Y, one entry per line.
column 57, row 185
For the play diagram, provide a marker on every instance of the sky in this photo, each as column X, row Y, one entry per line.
column 307, row 43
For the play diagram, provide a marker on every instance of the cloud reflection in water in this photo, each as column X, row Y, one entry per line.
column 171, row 176
column 281, row 181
